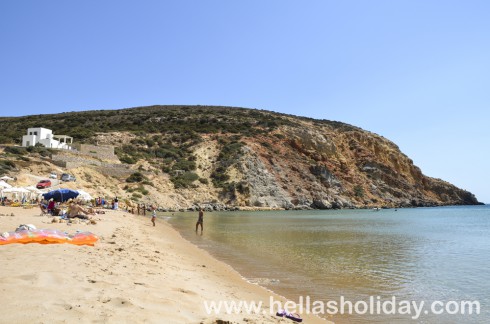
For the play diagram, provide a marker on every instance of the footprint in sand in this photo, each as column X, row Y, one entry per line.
column 64, row 306
column 121, row 302
column 185, row 291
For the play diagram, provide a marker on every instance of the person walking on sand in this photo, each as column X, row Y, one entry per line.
column 200, row 220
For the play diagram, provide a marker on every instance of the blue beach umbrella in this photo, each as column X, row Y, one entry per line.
column 61, row 195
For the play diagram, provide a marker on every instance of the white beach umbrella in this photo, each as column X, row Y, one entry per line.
column 3, row 184
column 84, row 195
column 34, row 190
column 16, row 190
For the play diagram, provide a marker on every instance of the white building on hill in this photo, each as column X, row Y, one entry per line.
column 45, row 137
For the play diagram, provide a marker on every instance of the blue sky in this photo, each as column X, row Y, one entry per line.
column 416, row 72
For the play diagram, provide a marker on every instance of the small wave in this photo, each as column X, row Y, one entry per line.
column 263, row 281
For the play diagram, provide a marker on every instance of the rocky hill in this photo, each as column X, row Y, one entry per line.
column 184, row 156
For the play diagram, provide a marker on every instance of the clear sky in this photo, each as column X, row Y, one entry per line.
column 416, row 72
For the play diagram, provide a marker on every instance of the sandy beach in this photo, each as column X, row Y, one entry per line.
column 134, row 273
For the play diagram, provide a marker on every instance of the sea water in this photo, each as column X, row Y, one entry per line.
column 416, row 254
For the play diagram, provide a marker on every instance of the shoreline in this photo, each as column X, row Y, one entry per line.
column 247, row 281
column 135, row 272
column 232, row 209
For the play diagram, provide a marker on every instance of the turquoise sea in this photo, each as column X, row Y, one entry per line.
column 414, row 254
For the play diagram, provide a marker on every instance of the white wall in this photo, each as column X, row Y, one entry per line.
column 29, row 140
column 41, row 132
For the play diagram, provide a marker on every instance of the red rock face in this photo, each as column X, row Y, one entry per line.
column 328, row 167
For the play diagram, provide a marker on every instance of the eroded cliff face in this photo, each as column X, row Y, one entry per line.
column 310, row 164
column 323, row 166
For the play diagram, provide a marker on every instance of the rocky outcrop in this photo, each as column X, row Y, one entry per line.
column 263, row 189
column 322, row 166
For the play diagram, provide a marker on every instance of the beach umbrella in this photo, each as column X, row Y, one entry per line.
column 4, row 185
column 61, row 195
column 34, row 190
column 83, row 195
column 16, row 190
column 18, row 193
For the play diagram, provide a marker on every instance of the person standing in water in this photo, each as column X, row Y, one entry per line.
column 154, row 216
column 200, row 220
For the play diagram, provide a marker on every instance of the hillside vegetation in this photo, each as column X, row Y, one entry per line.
column 184, row 156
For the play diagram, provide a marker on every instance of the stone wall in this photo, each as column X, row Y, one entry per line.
column 104, row 152
column 74, row 160
column 71, row 161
